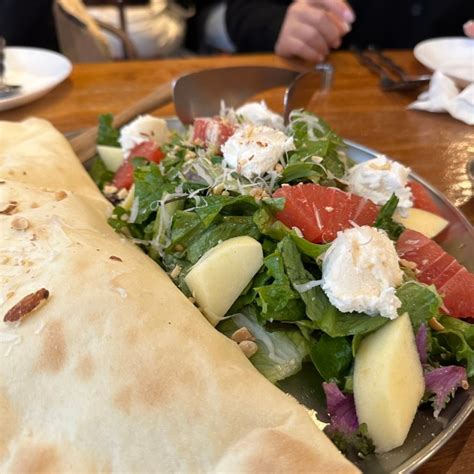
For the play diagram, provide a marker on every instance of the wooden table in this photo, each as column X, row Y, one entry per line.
column 434, row 145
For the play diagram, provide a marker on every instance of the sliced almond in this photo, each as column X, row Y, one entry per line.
column 436, row 325
column 8, row 208
column 26, row 305
column 249, row 348
column 242, row 334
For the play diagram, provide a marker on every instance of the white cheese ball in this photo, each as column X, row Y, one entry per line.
column 378, row 179
column 255, row 150
column 144, row 128
column 361, row 272
column 258, row 113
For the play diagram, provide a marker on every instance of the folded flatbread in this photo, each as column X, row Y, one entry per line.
column 116, row 371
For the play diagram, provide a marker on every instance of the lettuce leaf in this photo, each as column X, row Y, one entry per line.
column 280, row 353
column 278, row 300
column 442, row 383
column 420, row 301
column 332, row 357
column 107, row 134
column 385, row 220
column 454, row 344
column 99, row 173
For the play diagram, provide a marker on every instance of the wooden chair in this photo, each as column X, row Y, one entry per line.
column 80, row 36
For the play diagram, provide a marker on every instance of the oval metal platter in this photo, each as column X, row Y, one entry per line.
column 427, row 434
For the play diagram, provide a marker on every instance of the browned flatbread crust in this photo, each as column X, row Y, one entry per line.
column 117, row 371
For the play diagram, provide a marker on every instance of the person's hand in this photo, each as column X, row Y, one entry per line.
column 469, row 28
column 312, row 27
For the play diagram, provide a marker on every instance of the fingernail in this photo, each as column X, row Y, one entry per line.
column 349, row 16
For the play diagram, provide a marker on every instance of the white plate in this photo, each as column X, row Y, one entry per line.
column 36, row 70
column 452, row 56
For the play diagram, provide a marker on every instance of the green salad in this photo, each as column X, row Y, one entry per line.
column 182, row 199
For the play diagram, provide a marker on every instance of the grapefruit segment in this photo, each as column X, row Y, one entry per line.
column 453, row 282
column 422, row 198
column 320, row 211
column 458, row 294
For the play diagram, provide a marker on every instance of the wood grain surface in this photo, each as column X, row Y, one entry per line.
column 435, row 146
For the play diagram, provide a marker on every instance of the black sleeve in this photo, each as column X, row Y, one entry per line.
column 254, row 25
column 28, row 23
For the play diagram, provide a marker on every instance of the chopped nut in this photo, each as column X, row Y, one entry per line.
column 110, row 189
column 192, row 300
column 225, row 193
column 218, row 189
column 26, row 305
column 408, row 264
column 8, row 208
column 278, row 168
column 175, row 272
column 435, row 324
column 118, row 259
column 60, row 195
column 242, row 334
column 179, row 247
column 249, row 348
column 465, row 384
column 20, row 223
column 189, row 155
column 122, row 194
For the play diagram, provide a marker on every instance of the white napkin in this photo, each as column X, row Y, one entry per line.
column 443, row 96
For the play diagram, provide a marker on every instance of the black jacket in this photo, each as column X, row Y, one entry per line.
column 28, row 23
column 253, row 25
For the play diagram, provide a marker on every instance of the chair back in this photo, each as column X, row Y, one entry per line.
column 79, row 36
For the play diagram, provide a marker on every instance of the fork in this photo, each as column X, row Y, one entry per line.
column 6, row 90
column 386, row 68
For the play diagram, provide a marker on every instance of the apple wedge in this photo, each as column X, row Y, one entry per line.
column 388, row 383
column 222, row 273
column 422, row 221
column 111, row 156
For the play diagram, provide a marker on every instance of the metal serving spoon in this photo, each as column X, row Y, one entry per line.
column 6, row 90
column 200, row 94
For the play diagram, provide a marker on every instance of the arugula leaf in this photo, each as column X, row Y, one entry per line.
column 183, row 227
column 314, row 138
column 150, row 185
column 332, row 357
column 107, row 134
column 385, row 219
column 228, row 227
column 211, row 206
column 322, row 314
column 280, row 353
column 268, row 225
column 278, row 301
column 420, row 301
column 454, row 344
column 99, row 173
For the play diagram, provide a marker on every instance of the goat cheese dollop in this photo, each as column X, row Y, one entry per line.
column 259, row 114
column 255, row 150
column 378, row 179
column 144, row 128
column 361, row 272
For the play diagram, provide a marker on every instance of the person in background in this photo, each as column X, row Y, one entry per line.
column 308, row 29
column 469, row 28
column 28, row 23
